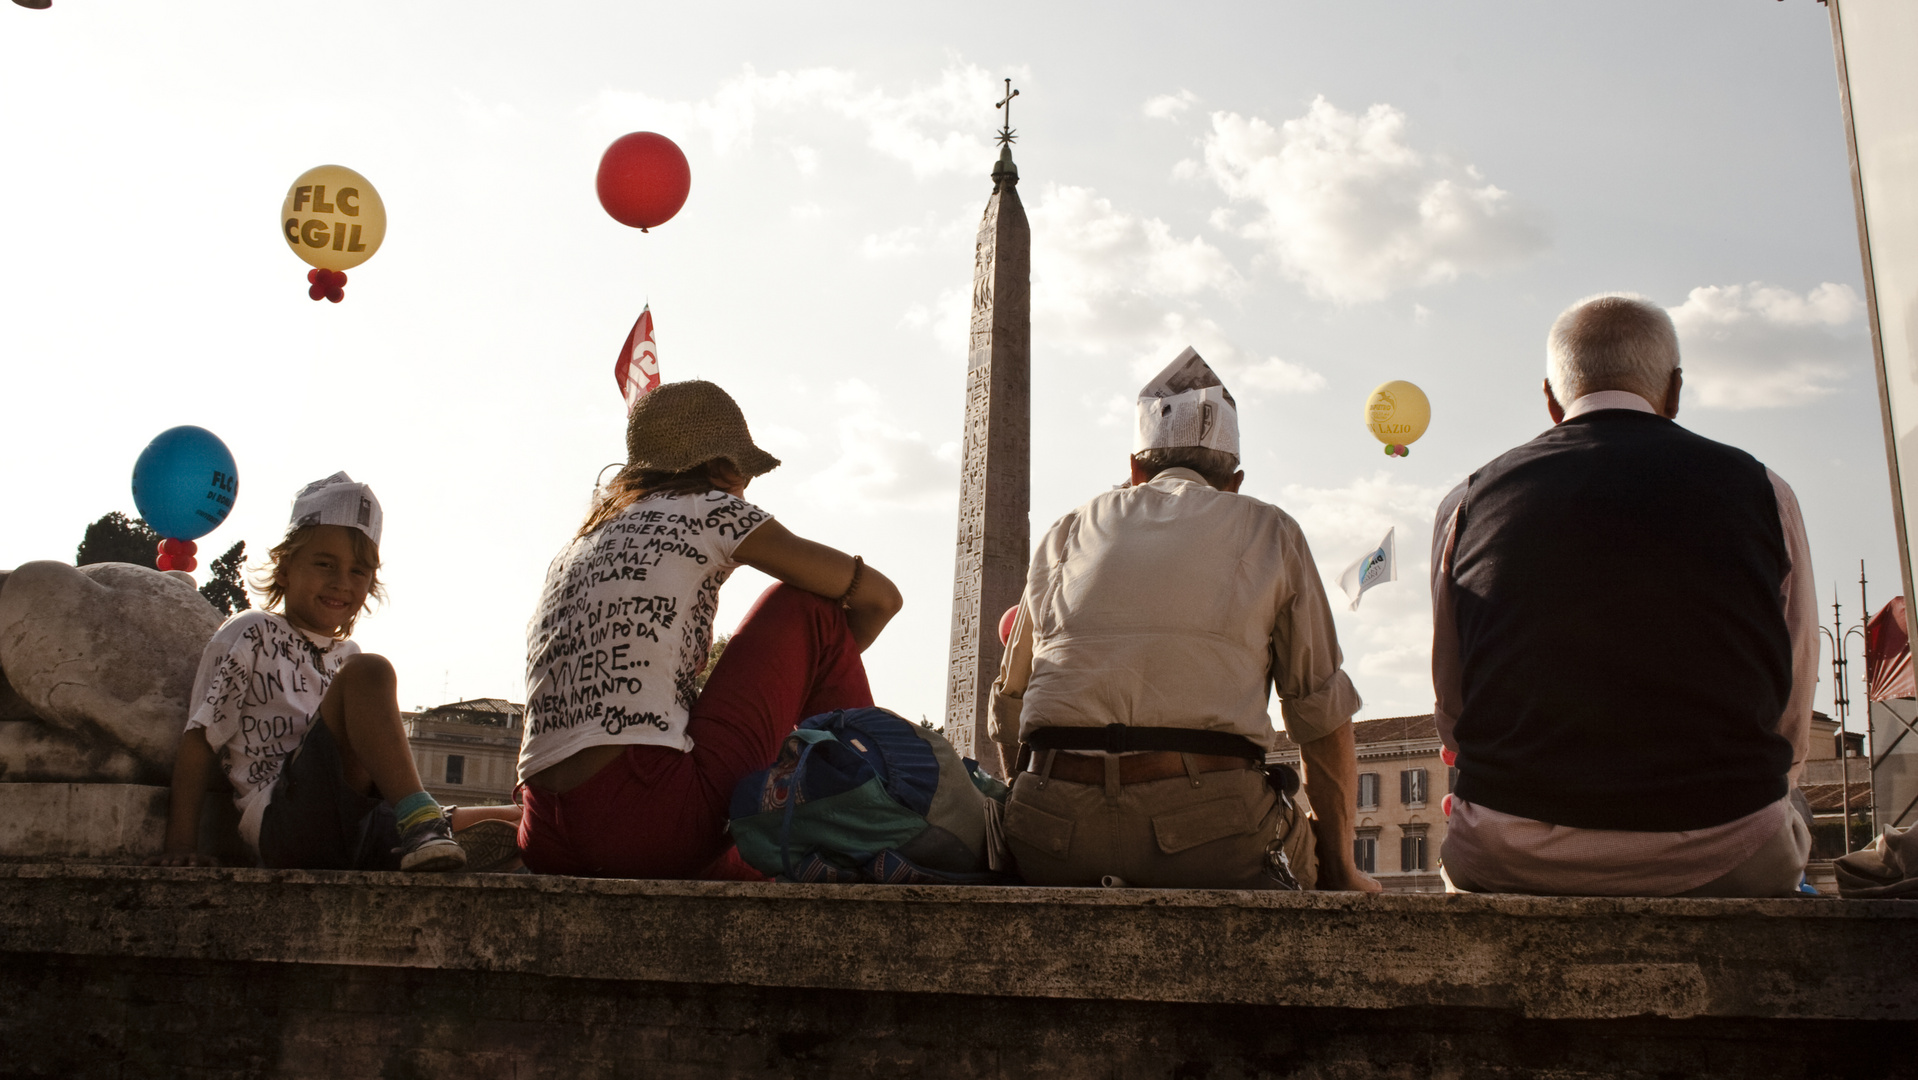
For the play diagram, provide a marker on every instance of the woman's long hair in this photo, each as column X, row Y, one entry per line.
column 631, row 484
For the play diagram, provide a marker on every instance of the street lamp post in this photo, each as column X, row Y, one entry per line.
column 1839, row 638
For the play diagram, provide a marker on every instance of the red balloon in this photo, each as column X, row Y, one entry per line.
column 336, row 295
column 177, row 548
column 643, row 179
column 317, row 291
column 313, row 276
column 1450, row 757
column 1005, row 624
column 163, row 562
column 185, row 562
column 1445, row 804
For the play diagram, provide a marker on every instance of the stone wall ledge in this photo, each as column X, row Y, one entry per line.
column 1536, row 957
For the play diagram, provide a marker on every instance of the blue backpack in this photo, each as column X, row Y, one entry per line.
column 864, row 795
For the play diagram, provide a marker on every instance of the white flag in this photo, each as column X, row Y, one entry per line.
column 1375, row 567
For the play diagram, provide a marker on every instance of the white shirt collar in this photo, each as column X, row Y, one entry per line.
column 1609, row 399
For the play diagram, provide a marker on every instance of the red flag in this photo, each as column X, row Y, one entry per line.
column 1888, row 654
column 637, row 369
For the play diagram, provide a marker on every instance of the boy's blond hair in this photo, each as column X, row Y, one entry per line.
column 266, row 580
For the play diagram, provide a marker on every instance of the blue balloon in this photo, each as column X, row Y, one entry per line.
column 184, row 483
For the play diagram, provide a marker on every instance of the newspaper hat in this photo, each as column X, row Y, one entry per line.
column 1187, row 405
column 338, row 500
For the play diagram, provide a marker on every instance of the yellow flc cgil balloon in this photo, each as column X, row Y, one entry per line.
column 1397, row 414
column 332, row 218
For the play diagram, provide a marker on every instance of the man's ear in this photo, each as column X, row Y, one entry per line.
column 1233, row 484
column 1669, row 408
column 1552, row 406
column 1139, row 475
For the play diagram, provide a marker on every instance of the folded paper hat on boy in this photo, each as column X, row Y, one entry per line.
column 1187, row 405
column 338, row 500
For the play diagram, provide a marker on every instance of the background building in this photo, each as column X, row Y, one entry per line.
column 468, row 752
column 1403, row 784
column 1402, row 781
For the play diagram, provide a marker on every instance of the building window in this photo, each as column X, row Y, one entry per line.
column 455, row 769
column 1369, row 791
column 1365, row 851
column 1412, row 787
column 1412, row 851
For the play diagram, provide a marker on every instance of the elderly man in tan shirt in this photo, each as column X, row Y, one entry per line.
column 1130, row 710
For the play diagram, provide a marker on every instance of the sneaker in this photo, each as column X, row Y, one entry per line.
column 430, row 847
column 491, row 846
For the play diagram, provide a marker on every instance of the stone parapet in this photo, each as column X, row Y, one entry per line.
column 1626, row 986
column 1567, row 958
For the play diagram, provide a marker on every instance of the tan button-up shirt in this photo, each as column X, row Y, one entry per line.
column 1173, row 604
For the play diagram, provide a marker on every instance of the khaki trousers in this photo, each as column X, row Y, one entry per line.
column 1199, row 831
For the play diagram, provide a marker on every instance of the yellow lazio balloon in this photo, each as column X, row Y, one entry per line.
column 1397, row 414
column 332, row 218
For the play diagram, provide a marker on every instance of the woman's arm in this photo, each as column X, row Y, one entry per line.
column 825, row 571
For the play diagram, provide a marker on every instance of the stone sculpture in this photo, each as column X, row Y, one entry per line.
column 96, row 666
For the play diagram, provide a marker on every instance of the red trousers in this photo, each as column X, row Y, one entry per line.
column 656, row 812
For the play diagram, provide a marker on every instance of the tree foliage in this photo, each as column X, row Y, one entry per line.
column 225, row 590
column 712, row 658
column 118, row 538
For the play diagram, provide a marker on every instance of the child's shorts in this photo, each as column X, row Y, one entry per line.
column 314, row 821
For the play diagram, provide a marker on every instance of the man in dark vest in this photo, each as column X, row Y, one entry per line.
column 1624, row 641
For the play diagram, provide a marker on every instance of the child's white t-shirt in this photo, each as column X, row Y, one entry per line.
column 257, row 694
column 624, row 625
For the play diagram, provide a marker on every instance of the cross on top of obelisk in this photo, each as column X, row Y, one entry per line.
column 1006, row 134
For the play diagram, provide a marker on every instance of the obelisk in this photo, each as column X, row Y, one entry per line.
column 994, row 481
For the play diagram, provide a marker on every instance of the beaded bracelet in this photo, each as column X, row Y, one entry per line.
column 858, row 568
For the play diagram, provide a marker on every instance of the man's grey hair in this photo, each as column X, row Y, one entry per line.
column 1613, row 341
column 1216, row 466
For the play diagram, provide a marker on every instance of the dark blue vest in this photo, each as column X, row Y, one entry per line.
column 1625, row 656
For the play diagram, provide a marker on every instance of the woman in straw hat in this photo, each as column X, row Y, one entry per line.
column 626, row 767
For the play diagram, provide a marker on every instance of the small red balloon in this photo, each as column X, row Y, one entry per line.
column 163, row 562
column 339, row 279
column 643, row 179
column 177, row 548
column 1449, row 756
column 185, row 562
column 1445, row 804
column 1005, row 624
column 336, row 295
column 317, row 292
column 313, row 276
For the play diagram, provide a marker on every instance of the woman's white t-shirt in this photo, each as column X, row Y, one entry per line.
column 257, row 694
column 624, row 625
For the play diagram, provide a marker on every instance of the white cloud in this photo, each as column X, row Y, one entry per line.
column 1277, row 376
column 1757, row 346
column 1168, row 106
column 913, row 239
column 881, row 467
column 932, row 128
column 1354, row 213
column 1108, row 281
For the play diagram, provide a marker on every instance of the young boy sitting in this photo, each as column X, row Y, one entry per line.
column 305, row 725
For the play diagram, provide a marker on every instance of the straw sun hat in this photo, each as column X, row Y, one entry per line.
column 685, row 424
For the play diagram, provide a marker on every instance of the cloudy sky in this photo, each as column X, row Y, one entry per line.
column 1319, row 197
